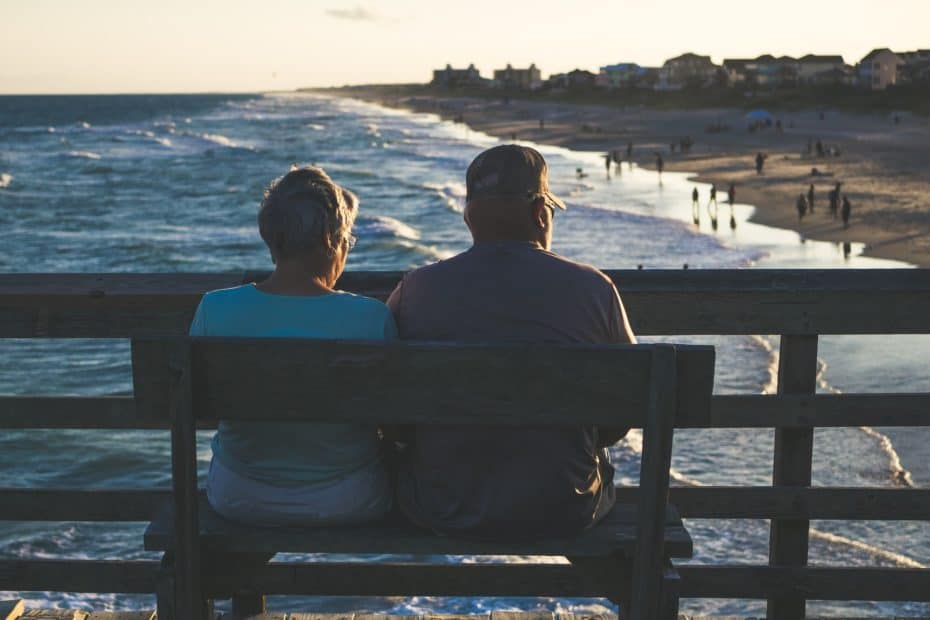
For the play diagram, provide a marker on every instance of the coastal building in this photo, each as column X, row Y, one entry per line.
column 687, row 70
column 451, row 77
column 916, row 66
column 879, row 69
column 813, row 68
column 521, row 79
column 577, row 79
column 621, row 75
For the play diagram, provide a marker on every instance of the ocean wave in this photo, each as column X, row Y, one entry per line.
column 5, row 179
column 219, row 140
column 84, row 154
column 900, row 476
column 452, row 193
column 315, row 126
column 84, row 125
column 378, row 225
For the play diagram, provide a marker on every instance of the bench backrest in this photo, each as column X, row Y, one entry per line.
column 351, row 381
column 329, row 381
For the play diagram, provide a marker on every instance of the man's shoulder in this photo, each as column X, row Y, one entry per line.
column 582, row 272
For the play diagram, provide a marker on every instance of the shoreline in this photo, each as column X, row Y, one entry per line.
column 880, row 163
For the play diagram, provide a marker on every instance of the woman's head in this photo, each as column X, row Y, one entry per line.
column 305, row 216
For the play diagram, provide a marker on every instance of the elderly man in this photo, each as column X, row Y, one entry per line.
column 530, row 482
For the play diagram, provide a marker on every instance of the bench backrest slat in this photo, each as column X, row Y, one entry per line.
column 347, row 381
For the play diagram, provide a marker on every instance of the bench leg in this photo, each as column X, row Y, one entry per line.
column 671, row 589
column 246, row 601
column 164, row 589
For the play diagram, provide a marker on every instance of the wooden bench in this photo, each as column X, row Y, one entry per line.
column 625, row 558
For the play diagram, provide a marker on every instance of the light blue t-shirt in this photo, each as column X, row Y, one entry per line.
column 294, row 453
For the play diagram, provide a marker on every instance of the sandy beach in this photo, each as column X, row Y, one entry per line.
column 883, row 166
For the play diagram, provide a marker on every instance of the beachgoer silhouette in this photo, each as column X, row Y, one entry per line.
column 732, row 221
column 660, row 164
column 513, row 136
column 847, row 210
column 810, row 146
column 629, row 152
column 835, row 200
column 801, row 206
column 695, row 206
column 731, row 195
column 847, row 249
column 608, row 159
column 810, row 198
column 820, row 151
column 579, row 173
column 760, row 162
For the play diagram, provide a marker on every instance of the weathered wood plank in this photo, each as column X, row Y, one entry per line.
column 122, row 615
column 111, row 576
column 814, row 583
column 659, row 302
column 615, row 534
column 406, row 382
column 726, row 411
column 55, row 614
column 11, row 610
column 708, row 502
column 313, row 616
column 794, row 450
column 521, row 615
column 415, row 579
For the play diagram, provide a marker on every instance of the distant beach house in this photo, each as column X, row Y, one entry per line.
column 521, row 79
column 686, row 70
column 577, row 79
column 916, row 66
column 815, row 69
column 764, row 71
column 622, row 75
column 450, row 77
column 879, row 69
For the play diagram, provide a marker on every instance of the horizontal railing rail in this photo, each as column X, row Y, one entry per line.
column 800, row 305
column 659, row 302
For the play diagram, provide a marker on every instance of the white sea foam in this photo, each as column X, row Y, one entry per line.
column 84, row 154
column 452, row 193
column 315, row 126
column 5, row 179
column 50, row 130
column 900, row 476
column 771, row 385
column 84, row 125
column 385, row 225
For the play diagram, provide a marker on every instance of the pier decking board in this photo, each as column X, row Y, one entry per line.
column 11, row 610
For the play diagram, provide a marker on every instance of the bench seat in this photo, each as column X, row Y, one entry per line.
column 616, row 534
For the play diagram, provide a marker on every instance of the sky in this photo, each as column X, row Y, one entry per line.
column 126, row 46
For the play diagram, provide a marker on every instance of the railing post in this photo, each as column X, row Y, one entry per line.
column 788, row 538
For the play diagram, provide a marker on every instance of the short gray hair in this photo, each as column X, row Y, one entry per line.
column 305, row 210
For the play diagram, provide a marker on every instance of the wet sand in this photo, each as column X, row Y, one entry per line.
column 884, row 167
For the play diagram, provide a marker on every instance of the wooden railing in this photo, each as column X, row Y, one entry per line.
column 799, row 305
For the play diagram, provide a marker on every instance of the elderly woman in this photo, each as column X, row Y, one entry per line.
column 289, row 474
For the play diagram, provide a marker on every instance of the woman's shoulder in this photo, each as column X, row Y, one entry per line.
column 224, row 296
column 360, row 302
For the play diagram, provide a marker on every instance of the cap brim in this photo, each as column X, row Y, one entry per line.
column 554, row 201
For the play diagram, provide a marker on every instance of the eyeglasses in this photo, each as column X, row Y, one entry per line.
column 351, row 240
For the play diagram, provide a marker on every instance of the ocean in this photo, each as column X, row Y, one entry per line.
column 171, row 183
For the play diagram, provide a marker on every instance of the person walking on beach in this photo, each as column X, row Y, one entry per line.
column 810, row 198
column 731, row 194
column 835, row 200
column 713, row 201
column 608, row 159
column 801, row 206
column 847, row 211
column 695, row 207
column 660, row 164
column 760, row 162
column 629, row 154
column 528, row 482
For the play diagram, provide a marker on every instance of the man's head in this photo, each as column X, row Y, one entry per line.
column 508, row 197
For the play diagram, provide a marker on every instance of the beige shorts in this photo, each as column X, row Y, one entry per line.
column 364, row 495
